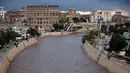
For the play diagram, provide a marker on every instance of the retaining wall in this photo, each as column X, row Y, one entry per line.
column 4, row 63
column 113, row 65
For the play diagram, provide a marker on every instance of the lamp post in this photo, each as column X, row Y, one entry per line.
column 100, row 20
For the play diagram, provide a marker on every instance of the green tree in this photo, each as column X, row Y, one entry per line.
column 82, row 19
column 33, row 32
column 116, row 44
column 63, row 20
column 90, row 37
column 76, row 19
column 121, row 30
column 128, row 52
column 58, row 26
column 2, row 41
column 104, row 28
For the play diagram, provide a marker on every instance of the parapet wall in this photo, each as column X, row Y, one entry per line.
column 113, row 65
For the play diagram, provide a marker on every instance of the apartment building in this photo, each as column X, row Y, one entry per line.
column 42, row 15
column 97, row 14
column 2, row 12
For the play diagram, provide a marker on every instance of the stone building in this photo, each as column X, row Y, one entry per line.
column 42, row 15
column 15, row 18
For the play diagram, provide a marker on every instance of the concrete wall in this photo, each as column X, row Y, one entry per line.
column 113, row 65
column 55, row 34
column 4, row 64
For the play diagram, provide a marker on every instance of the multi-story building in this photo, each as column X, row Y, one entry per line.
column 43, row 15
column 2, row 12
column 63, row 16
column 15, row 18
column 71, row 11
column 98, row 14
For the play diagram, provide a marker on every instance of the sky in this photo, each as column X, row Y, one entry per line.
column 65, row 4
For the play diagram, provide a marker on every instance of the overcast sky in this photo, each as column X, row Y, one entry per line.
column 65, row 4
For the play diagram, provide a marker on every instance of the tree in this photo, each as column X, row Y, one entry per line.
column 7, row 36
column 2, row 41
column 104, row 28
column 88, row 17
column 82, row 19
column 121, row 30
column 128, row 52
column 116, row 44
column 113, row 29
column 76, row 19
column 33, row 32
column 58, row 26
column 63, row 20
column 90, row 37
column 127, row 25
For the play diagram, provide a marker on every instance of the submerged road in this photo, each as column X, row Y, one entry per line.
column 60, row 54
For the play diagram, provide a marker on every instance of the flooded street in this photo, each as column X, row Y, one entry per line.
column 59, row 54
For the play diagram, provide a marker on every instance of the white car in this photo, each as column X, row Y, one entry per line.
column 19, row 38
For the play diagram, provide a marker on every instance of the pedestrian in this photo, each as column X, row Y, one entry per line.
column 16, row 43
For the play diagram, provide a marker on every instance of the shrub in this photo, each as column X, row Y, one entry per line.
column 89, row 37
column 33, row 32
column 116, row 44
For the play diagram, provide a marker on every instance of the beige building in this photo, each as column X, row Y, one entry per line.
column 42, row 15
column 97, row 14
column 15, row 18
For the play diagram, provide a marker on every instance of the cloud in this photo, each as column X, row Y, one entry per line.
column 65, row 4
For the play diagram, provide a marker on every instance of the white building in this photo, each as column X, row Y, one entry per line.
column 99, row 13
column 123, row 12
column 84, row 12
column 2, row 12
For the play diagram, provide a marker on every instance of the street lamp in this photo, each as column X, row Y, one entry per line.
column 100, row 21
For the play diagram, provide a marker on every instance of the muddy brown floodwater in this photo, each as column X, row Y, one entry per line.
column 60, row 54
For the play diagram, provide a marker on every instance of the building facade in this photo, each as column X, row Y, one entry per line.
column 15, row 18
column 98, row 14
column 63, row 16
column 2, row 12
column 42, row 15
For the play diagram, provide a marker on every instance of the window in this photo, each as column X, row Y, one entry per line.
column 40, row 22
column 40, row 18
column 53, row 14
column 37, row 22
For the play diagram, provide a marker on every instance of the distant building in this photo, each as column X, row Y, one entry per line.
column 71, row 11
column 99, row 13
column 15, row 18
column 120, row 17
column 2, row 12
column 42, row 15
column 84, row 12
column 63, row 16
